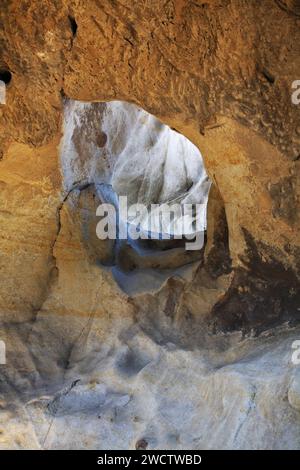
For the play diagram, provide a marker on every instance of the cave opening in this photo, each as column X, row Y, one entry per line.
column 5, row 76
column 121, row 151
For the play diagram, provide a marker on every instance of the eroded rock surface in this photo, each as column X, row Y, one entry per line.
column 195, row 357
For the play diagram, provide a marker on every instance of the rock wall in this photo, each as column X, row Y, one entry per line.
column 217, row 333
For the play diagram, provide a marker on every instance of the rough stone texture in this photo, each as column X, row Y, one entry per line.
column 131, row 391
column 176, row 365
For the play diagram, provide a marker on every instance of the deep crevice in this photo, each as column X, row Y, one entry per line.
column 73, row 25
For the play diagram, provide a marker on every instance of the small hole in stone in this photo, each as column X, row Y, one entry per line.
column 73, row 25
column 5, row 76
column 141, row 444
column 101, row 139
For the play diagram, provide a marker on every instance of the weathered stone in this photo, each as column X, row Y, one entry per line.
column 166, row 350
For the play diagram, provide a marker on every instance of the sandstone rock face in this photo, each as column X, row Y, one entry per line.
column 148, row 343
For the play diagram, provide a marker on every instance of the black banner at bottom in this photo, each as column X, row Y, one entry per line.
column 136, row 458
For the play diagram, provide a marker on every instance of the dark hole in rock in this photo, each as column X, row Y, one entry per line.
column 5, row 76
column 73, row 25
column 141, row 444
